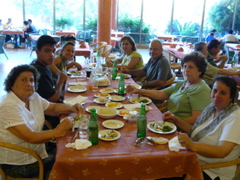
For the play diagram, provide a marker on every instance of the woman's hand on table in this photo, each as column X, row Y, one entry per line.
column 170, row 117
column 131, row 89
column 77, row 108
column 64, row 125
column 185, row 141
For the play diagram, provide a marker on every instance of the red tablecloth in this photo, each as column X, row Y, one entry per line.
column 82, row 51
column 11, row 32
column 177, row 53
column 120, row 159
column 65, row 33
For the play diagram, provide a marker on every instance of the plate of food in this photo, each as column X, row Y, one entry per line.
column 117, row 98
column 109, row 135
column 75, row 73
column 101, row 95
column 77, row 89
column 113, row 124
column 125, row 112
column 88, row 109
column 126, row 76
column 116, row 91
column 116, row 105
column 134, row 85
column 161, row 127
column 101, row 100
column 107, row 90
column 103, row 82
column 144, row 100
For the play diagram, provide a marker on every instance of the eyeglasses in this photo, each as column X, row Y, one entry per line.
column 153, row 49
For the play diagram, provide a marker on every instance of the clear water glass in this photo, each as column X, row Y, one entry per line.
column 83, row 127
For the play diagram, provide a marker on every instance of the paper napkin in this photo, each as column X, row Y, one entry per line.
column 72, row 101
column 79, row 144
column 174, row 144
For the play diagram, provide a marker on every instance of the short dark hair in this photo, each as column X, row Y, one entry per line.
column 198, row 59
column 16, row 71
column 29, row 20
column 65, row 44
column 214, row 43
column 131, row 40
column 45, row 40
column 229, row 82
column 198, row 46
column 230, row 31
column 25, row 22
column 213, row 31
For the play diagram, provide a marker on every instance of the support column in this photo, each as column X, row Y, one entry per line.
column 114, row 15
column 104, row 20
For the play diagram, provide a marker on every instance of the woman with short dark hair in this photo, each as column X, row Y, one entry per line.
column 187, row 98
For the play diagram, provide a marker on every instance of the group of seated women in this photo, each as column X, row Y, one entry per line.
column 207, row 118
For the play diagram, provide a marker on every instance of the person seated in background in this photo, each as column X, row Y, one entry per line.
column 210, row 36
column 47, row 89
column 32, row 26
column 64, row 39
column 187, row 98
column 157, row 70
column 215, row 135
column 26, row 30
column 8, row 26
column 213, row 50
column 64, row 60
column 130, row 58
column 230, row 37
column 212, row 70
column 22, row 118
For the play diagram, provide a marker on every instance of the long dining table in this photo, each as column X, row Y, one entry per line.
column 121, row 159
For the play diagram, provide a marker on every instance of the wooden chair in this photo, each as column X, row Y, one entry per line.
column 2, row 41
column 25, row 150
column 172, row 59
column 225, row 164
column 168, row 82
column 98, row 46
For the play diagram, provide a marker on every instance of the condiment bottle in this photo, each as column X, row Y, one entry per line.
column 114, row 70
column 121, row 85
column 93, row 127
column 142, row 123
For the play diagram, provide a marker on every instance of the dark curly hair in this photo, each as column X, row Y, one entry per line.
column 229, row 82
column 16, row 71
column 198, row 59
column 130, row 39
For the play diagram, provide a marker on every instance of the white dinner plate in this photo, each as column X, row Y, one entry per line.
column 135, row 100
column 76, row 89
column 103, row 82
column 75, row 73
column 135, row 85
column 117, row 98
column 159, row 125
column 109, row 135
column 101, row 100
column 125, row 112
column 107, row 90
column 113, row 124
column 126, row 76
column 101, row 95
column 116, row 105
column 88, row 109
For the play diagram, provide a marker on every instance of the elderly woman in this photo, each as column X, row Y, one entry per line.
column 131, row 58
column 187, row 98
column 22, row 118
column 215, row 135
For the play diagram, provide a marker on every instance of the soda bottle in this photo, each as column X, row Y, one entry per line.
column 114, row 70
column 121, row 85
column 93, row 127
column 142, row 123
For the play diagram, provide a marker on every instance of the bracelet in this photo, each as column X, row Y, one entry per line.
column 53, row 135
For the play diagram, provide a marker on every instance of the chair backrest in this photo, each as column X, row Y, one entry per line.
column 2, row 40
column 169, row 55
column 106, row 51
column 25, row 150
column 99, row 46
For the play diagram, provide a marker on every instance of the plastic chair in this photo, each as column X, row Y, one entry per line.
column 25, row 150
column 2, row 41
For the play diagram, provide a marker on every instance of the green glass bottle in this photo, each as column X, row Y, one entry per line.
column 142, row 123
column 114, row 70
column 93, row 127
column 234, row 61
column 121, row 85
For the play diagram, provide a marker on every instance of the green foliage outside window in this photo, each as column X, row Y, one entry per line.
column 62, row 23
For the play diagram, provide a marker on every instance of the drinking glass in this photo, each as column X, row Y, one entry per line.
column 95, row 84
column 83, row 127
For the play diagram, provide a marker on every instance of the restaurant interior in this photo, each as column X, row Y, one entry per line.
column 93, row 22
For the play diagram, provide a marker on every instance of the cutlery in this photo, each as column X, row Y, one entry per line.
column 138, row 141
column 75, row 136
column 151, row 140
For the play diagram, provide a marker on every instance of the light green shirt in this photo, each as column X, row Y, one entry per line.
column 126, row 59
column 182, row 102
column 211, row 71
